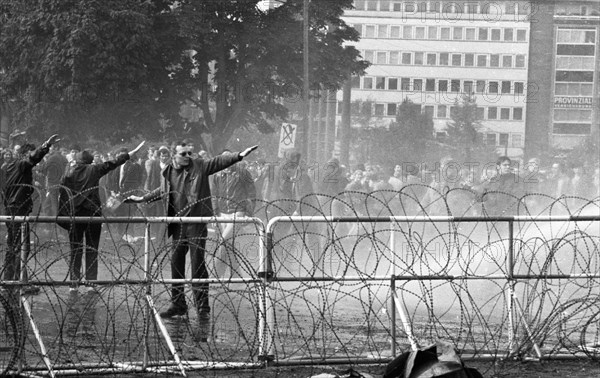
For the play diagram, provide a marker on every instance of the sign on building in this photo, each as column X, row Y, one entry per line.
column 572, row 102
column 287, row 138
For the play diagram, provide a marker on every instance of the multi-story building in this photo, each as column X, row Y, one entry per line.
column 432, row 52
column 564, row 67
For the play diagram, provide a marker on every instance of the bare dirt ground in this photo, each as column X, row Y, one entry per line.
column 545, row 369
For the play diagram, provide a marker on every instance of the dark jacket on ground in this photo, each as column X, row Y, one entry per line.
column 18, row 187
column 197, row 188
column 82, row 181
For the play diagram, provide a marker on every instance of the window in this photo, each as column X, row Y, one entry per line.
column 432, row 32
column 380, row 82
column 368, row 83
column 493, row 87
column 521, row 35
column 359, row 4
column 490, row 139
column 392, row 83
column 418, row 85
column 444, row 33
column 494, row 60
column 492, row 112
column 370, row 31
column 480, row 86
column 419, row 58
column 395, row 32
column 517, row 140
column 510, row 8
column 483, row 34
column 406, row 58
column 495, row 34
column 455, row 85
column 370, row 55
column 407, row 32
column 505, row 87
column 428, row 109
column 518, row 87
column 468, row 86
column 507, row 61
column 508, row 34
column 405, row 84
column 441, row 111
column 456, row 60
column 479, row 112
column 504, row 113
column 358, row 28
column 381, row 57
column 471, row 8
column 430, row 85
column 382, row 31
column 372, row 5
column 391, row 109
column 443, row 85
column 431, row 59
column 379, row 109
column 355, row 82
column 420, row 32
column 518, row 114
column 443, row 59
column 469, row 60
column 503, row 139
column 470, row 34
column 481, row 60
column 434, row 7
column 397, row 7
column 409, row 7
column 458, row 31
column 520, row 61
column 393, row 57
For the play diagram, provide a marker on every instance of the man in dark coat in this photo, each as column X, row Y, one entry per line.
column 53, row 168
column 18, row 190
column 80, row 196
column 185, row 186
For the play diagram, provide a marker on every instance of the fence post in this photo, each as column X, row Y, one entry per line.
column 393, row 286
column 266, row 310
column 511, row 286
column 147, row 276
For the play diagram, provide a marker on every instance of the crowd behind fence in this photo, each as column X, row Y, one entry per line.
column 358, row 277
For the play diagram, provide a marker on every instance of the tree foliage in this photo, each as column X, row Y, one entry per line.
column 464, row 131
column 117, row 68
column 88, row 67
column 246, row 61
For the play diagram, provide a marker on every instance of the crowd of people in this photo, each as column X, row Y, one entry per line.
column 177, row 180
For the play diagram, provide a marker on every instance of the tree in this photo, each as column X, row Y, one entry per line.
column 98, row 67
column 413, row 130
column 245, row 61
column 463, row 129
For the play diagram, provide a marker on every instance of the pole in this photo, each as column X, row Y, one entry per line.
column 305, row 94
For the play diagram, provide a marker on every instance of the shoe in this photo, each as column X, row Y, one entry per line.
column 174, row 310
column 91, row 290
column 31, row 290
column 74, row 289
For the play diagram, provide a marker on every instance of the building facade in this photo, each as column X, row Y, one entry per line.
column 564, row 68
column 531, row 65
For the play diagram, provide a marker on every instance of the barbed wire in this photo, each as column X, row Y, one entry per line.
column 330, row 296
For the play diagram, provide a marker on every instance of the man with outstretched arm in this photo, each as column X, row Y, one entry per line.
column 18, row 190
column 185, row 188
column 80, row 197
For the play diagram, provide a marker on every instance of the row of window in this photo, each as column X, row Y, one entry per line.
column 576, row 36
column 502, row 139
column 573, row 89
column 573, row 115
column 454, row 7
column 584, row 63
column 445, row 111
column 456, row 33
column 439, row 85
column 420, row 58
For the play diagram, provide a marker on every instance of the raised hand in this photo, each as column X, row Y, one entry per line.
column 133, row 199
column 247, row 151
column 132, row 152
column 52, row 140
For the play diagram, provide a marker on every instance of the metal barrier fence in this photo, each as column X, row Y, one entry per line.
column 312, row 289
